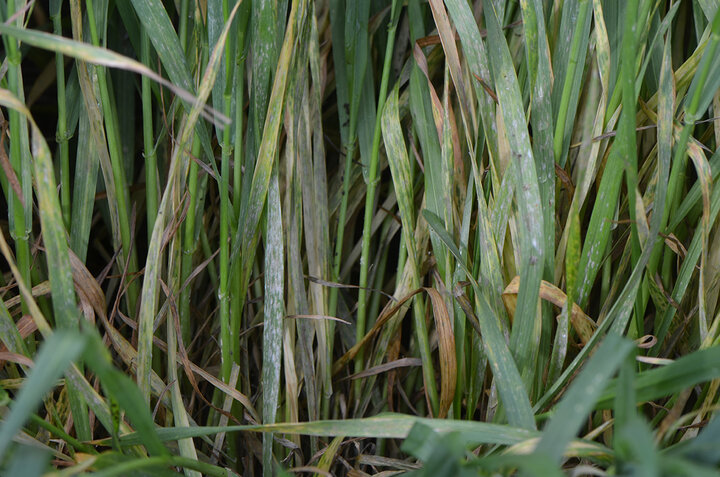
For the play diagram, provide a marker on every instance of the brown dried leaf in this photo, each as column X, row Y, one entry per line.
column 583, row 324
column 398, row 363
column 446, row 345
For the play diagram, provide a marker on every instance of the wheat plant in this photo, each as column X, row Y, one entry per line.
column 271, row 237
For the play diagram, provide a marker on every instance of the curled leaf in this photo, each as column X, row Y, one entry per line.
column 583, row 324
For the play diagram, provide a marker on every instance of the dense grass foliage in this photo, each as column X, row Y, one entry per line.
column 360, row 237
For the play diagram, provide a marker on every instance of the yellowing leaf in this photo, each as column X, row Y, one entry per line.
column 583, row 324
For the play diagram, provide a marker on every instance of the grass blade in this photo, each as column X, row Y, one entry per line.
column 582, row 395
column 387, row 425
column 53, row 359
column 178, row 169
column 525, row 335
column 512, row 391
column 274, row 313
